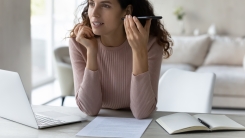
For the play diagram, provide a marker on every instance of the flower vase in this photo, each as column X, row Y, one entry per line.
column 181, row 27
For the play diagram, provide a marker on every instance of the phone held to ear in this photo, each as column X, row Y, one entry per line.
column 147, row 17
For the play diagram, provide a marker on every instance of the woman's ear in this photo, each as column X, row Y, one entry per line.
column 129, row 10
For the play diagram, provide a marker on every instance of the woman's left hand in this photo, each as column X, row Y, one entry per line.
column 137, row 35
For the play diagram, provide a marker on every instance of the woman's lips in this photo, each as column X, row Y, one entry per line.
column 97, row 24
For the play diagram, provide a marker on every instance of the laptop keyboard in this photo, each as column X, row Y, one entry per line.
column 46, row 121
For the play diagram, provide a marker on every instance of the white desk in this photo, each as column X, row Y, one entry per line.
column 9, row 129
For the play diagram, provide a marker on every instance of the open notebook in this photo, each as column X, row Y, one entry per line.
column 183, row 122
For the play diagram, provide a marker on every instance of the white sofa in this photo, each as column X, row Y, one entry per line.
column 222, row 55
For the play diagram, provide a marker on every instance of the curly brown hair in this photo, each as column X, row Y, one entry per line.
column 140, row 8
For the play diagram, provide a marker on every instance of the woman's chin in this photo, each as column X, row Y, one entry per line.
column 96, row 32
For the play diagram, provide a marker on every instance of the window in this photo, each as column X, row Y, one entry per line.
column 51, row 21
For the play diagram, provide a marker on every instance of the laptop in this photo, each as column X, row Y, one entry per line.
column 15, row 106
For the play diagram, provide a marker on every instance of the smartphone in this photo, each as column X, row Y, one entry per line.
column 148, row 17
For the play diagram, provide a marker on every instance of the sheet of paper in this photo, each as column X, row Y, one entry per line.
column 115, row 127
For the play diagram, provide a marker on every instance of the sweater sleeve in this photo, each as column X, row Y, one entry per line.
column 144, row 87
column 86, row 82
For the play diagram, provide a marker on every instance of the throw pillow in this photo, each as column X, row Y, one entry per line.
column 226, row 51
column 189, row 50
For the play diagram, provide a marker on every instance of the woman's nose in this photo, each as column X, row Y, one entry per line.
column 95, row 12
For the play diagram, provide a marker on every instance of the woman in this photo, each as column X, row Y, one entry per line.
column 116, row 63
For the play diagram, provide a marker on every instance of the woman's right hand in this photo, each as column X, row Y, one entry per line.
column 85, row 37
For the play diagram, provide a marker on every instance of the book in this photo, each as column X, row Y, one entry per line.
column 184, row 122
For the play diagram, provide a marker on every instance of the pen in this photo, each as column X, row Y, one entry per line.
column 204, row 123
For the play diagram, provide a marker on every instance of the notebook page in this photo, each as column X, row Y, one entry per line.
column 219, row 121
column 178, row 121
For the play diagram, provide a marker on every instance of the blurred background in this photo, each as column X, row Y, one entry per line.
column 51, row 21
column 30, row 31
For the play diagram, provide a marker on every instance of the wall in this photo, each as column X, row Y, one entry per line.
column 15, row 39
column 227, row 15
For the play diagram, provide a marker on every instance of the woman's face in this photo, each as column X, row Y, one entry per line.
column 105, row 16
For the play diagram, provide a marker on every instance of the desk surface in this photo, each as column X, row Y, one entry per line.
column 9, row 129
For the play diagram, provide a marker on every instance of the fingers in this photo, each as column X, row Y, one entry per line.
column 148, row 25
column 87, row 31
column 138, row 24
column 140, row 27
column 77, row 28
column 132, row 25
column 84, row 31
column 128, row 30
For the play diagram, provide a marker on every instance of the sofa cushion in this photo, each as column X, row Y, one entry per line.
column 229, row 102
column 230, row 80
column 226, row 51
column 189, row 50
column 165, row 67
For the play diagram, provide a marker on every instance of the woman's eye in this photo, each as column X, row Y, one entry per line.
column 106, row 6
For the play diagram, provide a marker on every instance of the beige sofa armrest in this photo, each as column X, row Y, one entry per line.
column 65, row 77
column 64, row 71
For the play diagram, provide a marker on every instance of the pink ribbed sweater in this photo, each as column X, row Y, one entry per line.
column 113, row 85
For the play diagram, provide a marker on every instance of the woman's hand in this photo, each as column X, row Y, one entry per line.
column 137, row 35
column 85, row 37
